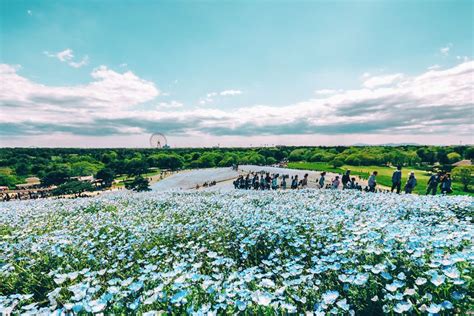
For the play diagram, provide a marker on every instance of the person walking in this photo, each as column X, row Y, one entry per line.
column 346, row 178
column 335, row 183
column 283, row 182
column 397, row 180
column 446, row 184
column 372, row 181
column 433, row 183
column 411, row 183
column 304, row 182
column 321, row 180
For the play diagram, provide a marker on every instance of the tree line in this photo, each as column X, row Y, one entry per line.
column 56, row 166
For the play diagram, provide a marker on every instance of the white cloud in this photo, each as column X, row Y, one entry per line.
column 83, row 62
column 378, row 81
column 170, row 105
column 435, row 103
column 327, row 91
column 29, row 12
column 445, row 50
column 67, row 56
column 434, row 67
column 209, row 98
column 230, row 92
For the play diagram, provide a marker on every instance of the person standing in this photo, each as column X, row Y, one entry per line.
column 433, row 183
column 304, row 182
column 335, row 183
column 294, row 182
column 283, row 182
column 372, row 181
column 275, row 182
column 397, row 179
column 321, row 180
column 411, row 183
column 446, row 184
column 346, row 178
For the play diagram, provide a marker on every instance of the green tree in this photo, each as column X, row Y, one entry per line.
column 55, row 177
column 107, row 176
column 73, row 187
column 297, row 155
column 271, row 161
column 464, row 175
column 454, row 157
column 138, row 184
column 336, row 163
column 136, row 167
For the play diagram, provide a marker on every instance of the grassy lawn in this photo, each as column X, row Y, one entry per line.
column 384, row 177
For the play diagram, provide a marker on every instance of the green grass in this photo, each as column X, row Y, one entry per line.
column 145, row 175
column 384, row 176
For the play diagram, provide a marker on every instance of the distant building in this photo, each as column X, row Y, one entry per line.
column 465, row 162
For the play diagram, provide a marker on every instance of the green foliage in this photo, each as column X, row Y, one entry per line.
column 454, row 157
column 336, row 163
column 107, row 176
column 73, row 187
column 9, row 180
column 166, row 161
column 55, row 177
column 464, row 174
column 297, row 155
column 138, row 184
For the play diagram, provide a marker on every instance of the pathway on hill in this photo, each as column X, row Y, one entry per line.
column 189, row 179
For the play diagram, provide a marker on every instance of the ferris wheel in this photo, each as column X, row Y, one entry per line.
column 158, row 140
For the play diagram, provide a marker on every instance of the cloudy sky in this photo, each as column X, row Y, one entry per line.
column 237, row 73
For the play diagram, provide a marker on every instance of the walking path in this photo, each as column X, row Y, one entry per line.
column 224, row 177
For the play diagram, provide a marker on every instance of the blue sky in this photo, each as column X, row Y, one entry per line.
column 228, row 72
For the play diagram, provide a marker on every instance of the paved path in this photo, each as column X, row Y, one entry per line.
column 189, row 179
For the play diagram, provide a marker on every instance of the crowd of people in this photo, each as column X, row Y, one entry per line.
column 273, row 181
column 267, row 181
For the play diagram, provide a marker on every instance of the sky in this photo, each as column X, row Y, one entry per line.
column 235, row 73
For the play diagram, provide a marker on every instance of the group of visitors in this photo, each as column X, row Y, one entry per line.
column 441, row 179
column 266, row 181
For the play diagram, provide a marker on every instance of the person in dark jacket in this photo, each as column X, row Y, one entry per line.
column 446, row 184
column 411, row 183
column 433, row 183
column 346, row 178
column 321, row 180
column 397, row 179
column 283, row 182
column 294, row 182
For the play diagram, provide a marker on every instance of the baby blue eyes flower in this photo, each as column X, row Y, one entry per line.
column 178, row 297
column 343, row 304
column 402, row 307
column 330, row 297
column 387, row 276
column 420, row 281
column 437, row 280
column 241, row 305
column 452, row 272
column 433, row 308
column 173, row 251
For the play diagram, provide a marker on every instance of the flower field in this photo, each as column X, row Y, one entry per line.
column 311, row 251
